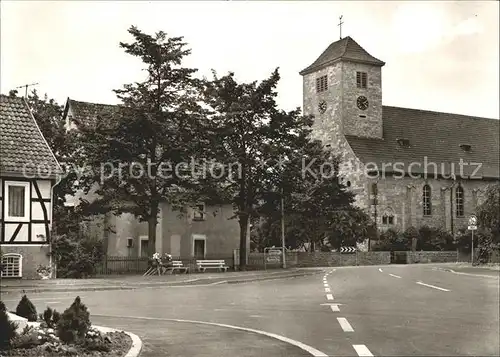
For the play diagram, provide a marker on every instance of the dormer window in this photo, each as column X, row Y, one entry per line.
column 361, row 79
column 405, row 143
column 321, row 84
column 466, row 147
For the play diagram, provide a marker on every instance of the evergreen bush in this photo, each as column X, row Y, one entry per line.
column 7, row 328
column 74, row 322
column 26, row 309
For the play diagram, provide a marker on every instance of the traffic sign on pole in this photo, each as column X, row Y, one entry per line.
column 472, row 227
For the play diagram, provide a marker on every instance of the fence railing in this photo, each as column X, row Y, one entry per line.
column 256, row 261
column 132, row 265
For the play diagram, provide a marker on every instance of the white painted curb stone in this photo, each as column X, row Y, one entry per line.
column 136, row 348
column 20, row 321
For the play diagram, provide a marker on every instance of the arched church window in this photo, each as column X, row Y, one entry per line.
column 388, row 217
column 426, row 200
column 459, row 201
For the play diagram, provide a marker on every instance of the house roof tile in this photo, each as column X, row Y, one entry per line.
column 23, row 149
column 85, row 112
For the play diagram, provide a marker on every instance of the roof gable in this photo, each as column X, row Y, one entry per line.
column 85, row 112
column 436, row 137
column 344, row 49
column 23, row 149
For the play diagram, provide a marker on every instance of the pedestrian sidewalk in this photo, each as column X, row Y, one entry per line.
column 136, row 281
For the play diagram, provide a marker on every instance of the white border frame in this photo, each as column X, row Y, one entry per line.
column 27, row 201
column 20, row 264
column 139, row 248
column 202, row 237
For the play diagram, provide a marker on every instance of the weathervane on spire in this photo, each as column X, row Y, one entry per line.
column 340, row 25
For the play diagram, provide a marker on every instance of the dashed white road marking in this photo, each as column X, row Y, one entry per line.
column 432, row 286
column 362, row 351
column 326, row 285
column 53, row 302
column 395, row 276
column 218, row 282
column 329, row 296
column 380, row 270
column 335, row 308
column 346, row 326
column 327, row 290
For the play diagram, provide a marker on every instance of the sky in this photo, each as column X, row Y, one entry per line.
column 440, row 56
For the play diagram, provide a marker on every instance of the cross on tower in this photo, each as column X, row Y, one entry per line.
column 340, row 25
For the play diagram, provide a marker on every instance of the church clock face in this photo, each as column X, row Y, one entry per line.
column 362, row 103
column 322, row 107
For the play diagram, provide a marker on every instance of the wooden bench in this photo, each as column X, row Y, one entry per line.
column 203, row 265
column 177, row 265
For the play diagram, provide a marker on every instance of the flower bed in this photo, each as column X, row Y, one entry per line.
column 42, row 341
column 55, row 334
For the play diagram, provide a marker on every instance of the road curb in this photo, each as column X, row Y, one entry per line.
column 270, row 278
column 469, row 274
column 7, row 291
column 135, row 349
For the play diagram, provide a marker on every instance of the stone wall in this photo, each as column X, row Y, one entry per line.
column 432, row 257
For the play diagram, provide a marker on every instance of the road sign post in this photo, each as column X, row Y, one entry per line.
column 472, row 227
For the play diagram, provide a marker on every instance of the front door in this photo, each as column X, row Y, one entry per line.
column 144, row 248
column 199, row 248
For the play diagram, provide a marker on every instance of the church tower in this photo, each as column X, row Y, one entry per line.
column 343, row 90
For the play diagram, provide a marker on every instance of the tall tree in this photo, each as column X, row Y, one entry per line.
column 158, row 127
column 318, row 207
column 259, row 143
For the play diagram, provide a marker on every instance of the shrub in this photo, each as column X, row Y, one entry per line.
column 7, row 328
column 50, row 317
column 26, row 309
column 74, row 322
column 27, row 339
column 76, row 256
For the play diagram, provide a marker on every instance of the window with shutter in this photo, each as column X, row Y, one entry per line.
column 361, row 79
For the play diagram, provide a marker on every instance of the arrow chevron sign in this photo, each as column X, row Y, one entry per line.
column 347, row 249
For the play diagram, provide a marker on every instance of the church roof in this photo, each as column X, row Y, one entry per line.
column 345, row 49
column 24, row 152
column 440, row 138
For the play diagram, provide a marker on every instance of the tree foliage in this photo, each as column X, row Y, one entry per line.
column 157, row 127
column 264, row 143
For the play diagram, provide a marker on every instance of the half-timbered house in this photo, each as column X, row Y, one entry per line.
column 28, row 173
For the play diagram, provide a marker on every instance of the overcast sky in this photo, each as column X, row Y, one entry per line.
column 441, row 56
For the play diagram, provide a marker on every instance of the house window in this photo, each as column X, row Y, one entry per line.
column 361, row 79
column 199, row 212
column 17, row 201
column 12, row 265
column 459, row 201
column 426, row 200
column 321, row 84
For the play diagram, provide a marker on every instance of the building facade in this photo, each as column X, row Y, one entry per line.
column 28, row 172
column 200, row 231
column 407, row 167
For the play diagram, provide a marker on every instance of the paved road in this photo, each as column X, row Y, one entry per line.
column 416, row 310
